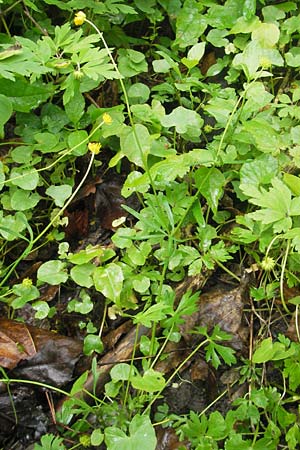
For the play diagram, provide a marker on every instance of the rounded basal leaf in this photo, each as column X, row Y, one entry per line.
column 77, row 141
column 138, row 93
column 52, row 272
column 46, row 142
column 42, row 309
column 184, row 120
column 109, row 281
column 59, row 193
column 92, row 343
column 136, row 144
column 293, row 57
column 82, row 274
column 22, row 200
column 22, row 154
column 267, row 34
column 151, row 381
column 26, row 179
column 97, row 437
column 122, row 372
column 11, row 227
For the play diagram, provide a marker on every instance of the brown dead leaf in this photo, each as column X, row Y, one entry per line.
column 207, row 61
column 16, row 343
column 36, row 354
column 219, row 307
column 167, row 439
column 78, row 224
column 108, row 203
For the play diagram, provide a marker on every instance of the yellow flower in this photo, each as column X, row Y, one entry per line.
column 27, row 282
column 94, row 147
column 79, row 18
column 265, row 63
column 107, row 118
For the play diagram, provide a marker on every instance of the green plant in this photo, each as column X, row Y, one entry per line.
column 199, row 112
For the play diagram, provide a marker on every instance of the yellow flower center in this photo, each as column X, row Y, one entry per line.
column 79, row 18
column 107, row 118
column 94, row 147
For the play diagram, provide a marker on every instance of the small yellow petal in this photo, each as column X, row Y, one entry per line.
column 107, row 118
column 79, row 18
column 27, row 282
column 94, row 147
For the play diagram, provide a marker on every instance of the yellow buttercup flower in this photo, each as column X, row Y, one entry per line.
column 107, row 118
column 27, row 282
column 79, row 18
column 94, row 147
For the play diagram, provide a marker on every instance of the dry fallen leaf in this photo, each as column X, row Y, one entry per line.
column 36, row 354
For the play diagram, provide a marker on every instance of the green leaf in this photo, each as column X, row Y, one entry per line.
column 264, row 351
column 97, row 437
column 141, row 283
column 77, row 141
column 135, row 144
column 258, row 172
column 78, row 386
column 50, row 442
column 24, row 295
column 82, row 274
column 266, row 34
column 109, row 281
column 185, row 121
column 292, row 182
column 22, row 200
column 151, row 381
column 122, row 372
column 210, row 182
column 84, row 305
column 153, row 314
column 141, row 436
column 12, row 226
column 249, row 9
column 86, row 255
column 263, row 134
column 190, row 24
column 138, row 93
column 25, row 178
column 292, row 372
column 25, row 96
column 194, row 55
column 75, row 107
column 131, row 62
column 52, row 272
column 92, row 343
column 47, row 142
column 59, row 193
column 22, row 154
column 292, row 57
column 42, row 309
column 6, row 110
column 277, row 204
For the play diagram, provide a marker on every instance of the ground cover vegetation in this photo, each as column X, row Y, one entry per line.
column 149, row 224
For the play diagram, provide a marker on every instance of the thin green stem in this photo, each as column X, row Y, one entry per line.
column 175, row 373
column 65, row 153
column 284, row 261
column 144, row 159
column 67, row 203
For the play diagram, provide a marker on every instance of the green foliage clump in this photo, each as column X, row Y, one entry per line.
column 201, row 101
